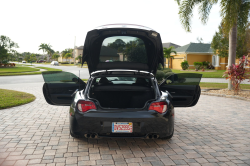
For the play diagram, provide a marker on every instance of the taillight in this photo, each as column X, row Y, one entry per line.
column 84, row 106
column 160, row 107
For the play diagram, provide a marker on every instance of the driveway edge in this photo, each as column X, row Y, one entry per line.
column 228, row 96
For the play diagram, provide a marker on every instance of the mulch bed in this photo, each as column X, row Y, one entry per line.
column 243, row 94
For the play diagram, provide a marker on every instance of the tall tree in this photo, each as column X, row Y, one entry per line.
column 6, row 47
column 68, row 55
column 167, row 52
column 47, row 48
column 55, row 56
column 233, row 12
column 220, row 42
column 43, row 47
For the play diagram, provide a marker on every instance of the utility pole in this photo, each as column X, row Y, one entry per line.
column 74, row 54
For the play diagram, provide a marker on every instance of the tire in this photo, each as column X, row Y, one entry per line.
column 75, row 135
column 169, row 137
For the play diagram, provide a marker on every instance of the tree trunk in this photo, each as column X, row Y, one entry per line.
column 168, row 61
column 232, row 49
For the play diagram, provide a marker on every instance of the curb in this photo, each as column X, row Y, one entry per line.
column 228, row 96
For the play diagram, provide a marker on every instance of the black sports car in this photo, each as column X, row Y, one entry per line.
column 122, row 97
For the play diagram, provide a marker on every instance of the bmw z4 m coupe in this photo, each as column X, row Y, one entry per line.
column 122, row 97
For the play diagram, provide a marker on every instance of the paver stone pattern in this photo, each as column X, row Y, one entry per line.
column 214, row 132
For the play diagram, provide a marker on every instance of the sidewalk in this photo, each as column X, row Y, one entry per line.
column 221, row 80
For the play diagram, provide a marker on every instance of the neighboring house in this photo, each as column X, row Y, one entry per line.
column 78, row 51
column 109, row 54
column 196, row 52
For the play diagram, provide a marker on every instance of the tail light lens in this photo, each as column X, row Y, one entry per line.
column 84, row 106
column 160, row 107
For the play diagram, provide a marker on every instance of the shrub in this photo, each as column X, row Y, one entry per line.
column 238, row 73
column 64, row 62
column 160, row 67
column 210, row 66
column 184, row 65
column 197, row 65
column 159, row 75
column 205, row 64
column 167, row 70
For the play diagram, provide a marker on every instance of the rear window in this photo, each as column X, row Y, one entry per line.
column 123, row 49
column 122, row 80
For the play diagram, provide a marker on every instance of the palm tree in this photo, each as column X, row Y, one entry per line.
column 79, row 57
column 68, row 55
column 167, row 52
column 43, row 47
column 47, row 48
column 233, row 12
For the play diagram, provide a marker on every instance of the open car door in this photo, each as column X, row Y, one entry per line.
column 183, row 87
column 59, row 87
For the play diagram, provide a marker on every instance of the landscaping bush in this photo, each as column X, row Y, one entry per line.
column 167, row 70
column 64, row 62
column 160, row 67
column 197, row 65
column 184, row 65
column 238, row 73
column 210, row 66
column 205, row 64
column 160, row 75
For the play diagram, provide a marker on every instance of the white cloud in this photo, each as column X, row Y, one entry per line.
column 30, row 23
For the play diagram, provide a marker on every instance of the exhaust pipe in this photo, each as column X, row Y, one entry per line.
column 155, row 136
column 92, row 135
column 150, row 136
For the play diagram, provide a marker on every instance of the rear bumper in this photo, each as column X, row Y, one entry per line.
column 144, row 123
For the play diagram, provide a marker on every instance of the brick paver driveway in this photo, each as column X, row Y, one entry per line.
column 214, row 132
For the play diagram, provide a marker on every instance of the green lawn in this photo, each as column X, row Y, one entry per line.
column 206, row 85
column 213, row 74
column 17, row 70
column 24, row 71
column 11, row 98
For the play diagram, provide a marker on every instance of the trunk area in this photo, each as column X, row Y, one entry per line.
column 122, row 96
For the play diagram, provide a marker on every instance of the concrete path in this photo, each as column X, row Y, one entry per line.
column 214, row 132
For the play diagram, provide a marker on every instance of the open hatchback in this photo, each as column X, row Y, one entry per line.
column 122, row 97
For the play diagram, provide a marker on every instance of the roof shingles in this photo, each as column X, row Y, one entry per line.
column 195, row 47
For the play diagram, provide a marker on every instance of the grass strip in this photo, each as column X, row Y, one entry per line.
column 208, row 85
column 11, row 98
column 30, row 73
column 212, row 74
column 17, row 70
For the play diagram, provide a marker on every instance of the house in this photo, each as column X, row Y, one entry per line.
column 108, row 53
column 196, row 52
column 78, row 51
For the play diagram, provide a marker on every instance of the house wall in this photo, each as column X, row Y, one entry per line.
column 191, row 58
column 223, row 63
column 176, row 62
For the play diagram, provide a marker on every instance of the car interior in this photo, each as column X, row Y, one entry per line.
column 122, row 95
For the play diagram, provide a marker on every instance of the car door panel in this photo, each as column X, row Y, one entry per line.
column 183, row 87
column 59, row 87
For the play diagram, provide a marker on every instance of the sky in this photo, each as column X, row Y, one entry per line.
column 62, row 23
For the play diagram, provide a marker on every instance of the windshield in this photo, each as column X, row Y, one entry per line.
column 123, row 49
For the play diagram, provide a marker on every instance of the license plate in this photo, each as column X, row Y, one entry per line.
column 122, row 127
